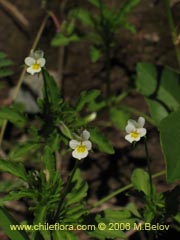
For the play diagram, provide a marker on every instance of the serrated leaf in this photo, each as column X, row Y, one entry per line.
column 170, row 142
column 51, row 90
column 21, row 150
column 6, row 220
column 13, row 115
column 140, row 180
column 103, row 144
column 16, row 169
column 49, row 161
column 86, row 97
column 79, row 189
column 13, row 195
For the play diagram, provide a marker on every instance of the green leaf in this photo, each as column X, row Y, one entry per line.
column 140, row 180
column 161, row 88
column 6, row 220
column 146, row 78
column 119, row 117
column 83, row 15
column 60, row 40
column 49, row 161
column 95, row 54
column 87, row 97
column 170, row 142
column 120, row 219
column 5, row 63
column 96, row 3
column 16, row 169
column 79, row 189
column 22, row 150
column 13, row 115
column 126, row 8
column 51, row 90
column 16, row 195
column 103, row 144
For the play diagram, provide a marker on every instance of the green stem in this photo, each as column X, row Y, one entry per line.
column 174, row 33
column 120, row 190
column 66, row 190
column 21, row 78
column 149, row 167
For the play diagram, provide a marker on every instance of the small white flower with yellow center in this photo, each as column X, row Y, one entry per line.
column 135, row 130
column 35, row 62
column 81, row 146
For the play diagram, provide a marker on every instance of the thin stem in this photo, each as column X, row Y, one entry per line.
column 149, row 167
column 21, row 78
column 174, row 33
column 66, row 190
column 120, row 190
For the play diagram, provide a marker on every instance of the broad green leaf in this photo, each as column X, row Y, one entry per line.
column 161, row 88
column 119, row 117
column 140, row 180
column 6, row 220
column 146, row 78
column 170, row 142
column 13, row 115
column 103, row 144
column 16, row 169
column 95, row 54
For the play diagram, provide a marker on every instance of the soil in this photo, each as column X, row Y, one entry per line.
column 151, row 43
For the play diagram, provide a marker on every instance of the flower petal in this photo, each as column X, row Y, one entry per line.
column 85, row 135
column 41, row 61
column 130, row 139
column 141, row 122
column 74, row 143
column 130, row 128
column 79, row 155
column 87, row 144
column 29, row 61
column 141, row 131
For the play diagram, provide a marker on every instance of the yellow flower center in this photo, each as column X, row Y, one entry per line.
column 134, row 134
column 36, row 66
column 81, row 149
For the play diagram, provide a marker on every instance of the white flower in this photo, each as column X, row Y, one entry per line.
column 135, row 130
column 35, row 62
column 81, row 146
